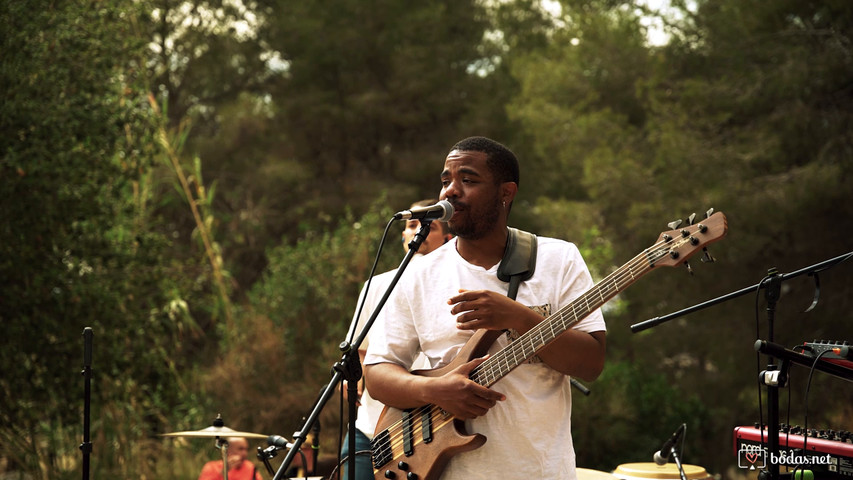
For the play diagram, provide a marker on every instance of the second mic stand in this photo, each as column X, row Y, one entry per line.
column 86, row 446
column 349, row 369
column 772, row 378
column 677, row 459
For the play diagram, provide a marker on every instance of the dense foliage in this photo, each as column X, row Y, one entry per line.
column 204, row 183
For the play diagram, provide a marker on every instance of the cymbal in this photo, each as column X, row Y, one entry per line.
column 213, row 432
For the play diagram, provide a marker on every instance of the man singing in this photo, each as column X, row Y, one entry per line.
column 446, row 297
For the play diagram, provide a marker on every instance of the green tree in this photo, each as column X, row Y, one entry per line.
column 745, row 110
column 373, row 93
column 202, row 54
column 758, row 100
column 354, row 99
column 278, row 360
column 208, row 71
column 78, row 244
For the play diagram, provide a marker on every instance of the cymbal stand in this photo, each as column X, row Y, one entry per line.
column 222, row 445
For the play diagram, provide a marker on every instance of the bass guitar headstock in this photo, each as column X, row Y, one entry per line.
column 676, row 246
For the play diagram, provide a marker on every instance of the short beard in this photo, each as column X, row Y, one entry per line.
column 480, row 223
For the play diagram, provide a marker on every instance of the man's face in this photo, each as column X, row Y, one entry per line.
column 238, row 447
column 434, row 240
column 468, row 184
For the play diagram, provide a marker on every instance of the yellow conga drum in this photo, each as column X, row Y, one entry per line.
column 589, row 474
column 653, row 471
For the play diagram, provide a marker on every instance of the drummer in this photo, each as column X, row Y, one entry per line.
column 239, row 466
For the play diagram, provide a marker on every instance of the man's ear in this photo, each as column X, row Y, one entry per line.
column 508, row 191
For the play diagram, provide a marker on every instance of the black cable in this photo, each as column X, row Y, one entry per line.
column 340, row 423
column 788, row 416
column 806, row 404
column 351, row 335
column 342, row 461
column 758, row 359
column 788, row 413
column 304, row 463
column 266, row 455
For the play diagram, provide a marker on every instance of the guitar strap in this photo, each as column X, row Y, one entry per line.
column 519, row 260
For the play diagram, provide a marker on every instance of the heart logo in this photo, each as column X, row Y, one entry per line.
column 751, row 457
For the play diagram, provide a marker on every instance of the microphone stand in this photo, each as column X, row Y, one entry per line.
column 769, row 377
column 772, row 378
column 86, row 446
column 811, row 270
column 675, row 457
column 349, row 368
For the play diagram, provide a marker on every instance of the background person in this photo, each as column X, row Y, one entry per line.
column 239, row 466
column 369, row 409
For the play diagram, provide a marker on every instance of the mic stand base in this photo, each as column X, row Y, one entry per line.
column 351, row 371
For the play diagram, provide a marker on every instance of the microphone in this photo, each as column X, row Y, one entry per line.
column 441, row 211
column 87, row 346
column 278, row 442
column 662, row 455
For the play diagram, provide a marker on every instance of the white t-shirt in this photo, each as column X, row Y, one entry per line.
column 529, row 434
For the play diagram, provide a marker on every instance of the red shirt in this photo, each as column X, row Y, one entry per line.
column 244, row 471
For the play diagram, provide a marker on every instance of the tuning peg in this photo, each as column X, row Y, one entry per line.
column 691, row 218
column 674, row 224
column 709, row 212
column 706, row 256
column 689, row 268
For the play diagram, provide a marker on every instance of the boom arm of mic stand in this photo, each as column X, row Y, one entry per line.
column 350, row 356
column 653, row 322
column 638, row 327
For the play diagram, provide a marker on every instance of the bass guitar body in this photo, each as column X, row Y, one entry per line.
column 417, row 443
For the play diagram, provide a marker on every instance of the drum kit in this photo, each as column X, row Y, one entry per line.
column 626, row 471
column 221, row 434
